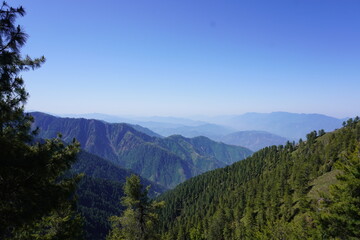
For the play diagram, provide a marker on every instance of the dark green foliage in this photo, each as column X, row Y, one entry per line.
column 166, row 161
column 13, row 95
column 97, row 167
column 60, row 223
column 34, row 200
column 98, row 200
column 340, row 217
column 267, row 196
column 100, row 191
column 139, row 220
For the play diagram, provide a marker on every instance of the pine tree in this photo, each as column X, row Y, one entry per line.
column 139, row 219
column 341, row 216
column 30, row 171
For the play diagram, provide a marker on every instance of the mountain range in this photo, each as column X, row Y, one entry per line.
column 254, row 140
column 276, row 192
column 292, row 126
column 166, row 161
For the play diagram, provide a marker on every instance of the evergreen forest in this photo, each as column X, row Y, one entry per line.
column 64, row 178
column 308, row 190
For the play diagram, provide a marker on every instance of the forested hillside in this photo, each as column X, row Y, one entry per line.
column 166, row 161
column 280, row 192
column 99, row 192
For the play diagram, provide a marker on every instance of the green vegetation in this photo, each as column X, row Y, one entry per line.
column 278, row 193
column 166, row 161
column 35, row 202
column 99, row 192
column 340, row 217
column 138, row 221
column 309, row 190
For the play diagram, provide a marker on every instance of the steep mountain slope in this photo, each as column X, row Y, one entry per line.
column 204, row 153
column 99, row 192
column 274, row 194
column 292, row 126
column 96, row 167
column 119, row 143
column 254, row 140
column 151, row 157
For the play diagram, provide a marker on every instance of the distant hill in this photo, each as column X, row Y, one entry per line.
column 212, row 131
column 143, row 121
column 292, row 126
column 254, row 140
column 166, row 161
column 145, row 130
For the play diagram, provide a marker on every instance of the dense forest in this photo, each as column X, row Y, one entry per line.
column 280, row 192
column 50, row 189
column 99, row 192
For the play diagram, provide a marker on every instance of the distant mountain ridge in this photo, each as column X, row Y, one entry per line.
column 212, row 131
column 292, row 126
column 166, row 161
column 254, row 140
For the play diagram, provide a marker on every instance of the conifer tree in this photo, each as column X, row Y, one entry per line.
column 341, row 216
column 30, row 171
column 138, row 221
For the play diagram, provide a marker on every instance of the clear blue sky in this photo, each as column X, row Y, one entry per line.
column 194, row 57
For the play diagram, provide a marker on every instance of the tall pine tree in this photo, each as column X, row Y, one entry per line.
column 139, row 219
column 31, row 189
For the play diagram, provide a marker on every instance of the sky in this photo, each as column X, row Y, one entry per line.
column 193, row 57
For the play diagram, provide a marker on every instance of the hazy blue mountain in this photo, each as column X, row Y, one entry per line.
column 211, row 131
column 171, row 120
column 156, row 159
column 145, row 130
column 254, row 140
column 289, row 125
column 143, row 121
column 112, row 119
column 99, row 116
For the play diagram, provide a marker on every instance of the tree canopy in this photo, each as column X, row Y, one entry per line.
column 139, row 219
column 32, row 187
